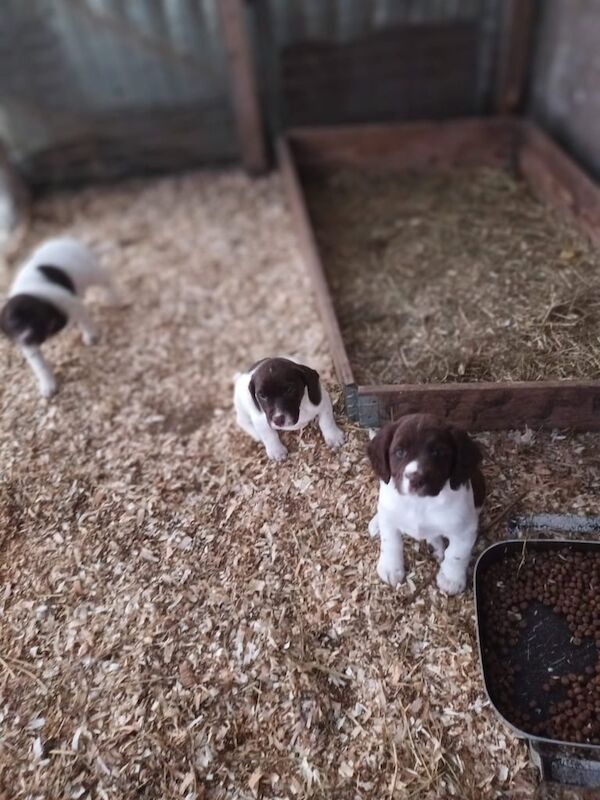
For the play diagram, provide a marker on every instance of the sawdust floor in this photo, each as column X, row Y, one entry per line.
column 181, row 618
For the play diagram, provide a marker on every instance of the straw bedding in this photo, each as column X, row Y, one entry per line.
column 180, row 618
column 456, row 275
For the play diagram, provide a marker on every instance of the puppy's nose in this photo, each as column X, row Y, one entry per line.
column 279, row 420
column 416, row 479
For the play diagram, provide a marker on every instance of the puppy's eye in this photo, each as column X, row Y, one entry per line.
column 437, row 452
column 289, row 391
column 400, row 452
column 262, row 395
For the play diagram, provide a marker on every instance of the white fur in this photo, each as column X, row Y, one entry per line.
column 82, row 266
column 254, row 421
column 450, row 515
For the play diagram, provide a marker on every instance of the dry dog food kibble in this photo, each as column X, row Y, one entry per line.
column 555, row 701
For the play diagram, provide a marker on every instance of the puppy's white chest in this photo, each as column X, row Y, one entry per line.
column 427, row 517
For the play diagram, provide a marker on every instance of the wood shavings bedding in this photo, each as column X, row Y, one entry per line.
column 180, row 617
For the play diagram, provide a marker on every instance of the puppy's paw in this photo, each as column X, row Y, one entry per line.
column 438, row 551
column 277, row 453
column 334, row 438
column 90, row 338
column 451, row 585
column 390, row 573
column 48, row 388
column 374, row 526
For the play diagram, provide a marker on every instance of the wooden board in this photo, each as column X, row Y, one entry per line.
column 491, row 406
column 514, row 53
column 244, row 89
column 312, row 260
column 405, row 71
column 553, row 176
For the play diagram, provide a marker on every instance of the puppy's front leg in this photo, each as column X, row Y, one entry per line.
column 390, row 566
column 41, row 370
column 452, row 576
column 89, row 332
column 275, row 449
column 331, row 433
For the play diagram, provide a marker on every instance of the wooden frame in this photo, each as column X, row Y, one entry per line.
column 244, row 87
column 552, row 175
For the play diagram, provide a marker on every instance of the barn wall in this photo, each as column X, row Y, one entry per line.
column 99, row 88
column 565, row 89
column 345, row 61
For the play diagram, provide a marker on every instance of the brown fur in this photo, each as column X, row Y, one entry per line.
column 443, row 452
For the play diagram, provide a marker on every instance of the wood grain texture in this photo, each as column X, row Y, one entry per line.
column 557, row 180
column 496, row 406
column 514, row 53
column 409, row 144
column 401, row 72
column 244, row 89
column 313, row 264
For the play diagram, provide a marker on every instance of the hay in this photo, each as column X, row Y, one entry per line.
column 456, row 275
column 180, row 618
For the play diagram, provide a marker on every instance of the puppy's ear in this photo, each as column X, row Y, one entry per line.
column 312, row 383
column 252, row 390
column 467, row 457
column 378, row 451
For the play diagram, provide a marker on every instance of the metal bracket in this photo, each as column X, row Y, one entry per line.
column 566, row 769
column 368, row 411
column 351, row 401
column 565, row 523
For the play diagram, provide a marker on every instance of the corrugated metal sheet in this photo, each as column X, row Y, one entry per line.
column 565, row 91
column 81, row 70
column 343, row 20
column 99, row 88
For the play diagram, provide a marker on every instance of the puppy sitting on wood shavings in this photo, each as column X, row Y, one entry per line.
column 46, row 295
column 281, row 394
column 430, row 488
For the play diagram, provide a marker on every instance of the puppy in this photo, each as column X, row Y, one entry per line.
column 430, row 488
column 280, row 394
column 46, row 295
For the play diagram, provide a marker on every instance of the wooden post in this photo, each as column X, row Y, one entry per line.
column 514, row 53
column 244, row 88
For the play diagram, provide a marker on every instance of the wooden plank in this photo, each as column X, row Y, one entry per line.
column 514, row 54
column 496, row 406
column 313, row 263
column 399, row 72
column 557, row 180
column 408, row 144
column 244, row 88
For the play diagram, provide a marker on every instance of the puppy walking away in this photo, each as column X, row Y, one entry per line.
column 46, row 295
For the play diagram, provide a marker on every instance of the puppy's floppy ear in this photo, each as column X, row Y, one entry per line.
column 378, row 451
column 252, row 390
column 312, row 383
column 466, row 458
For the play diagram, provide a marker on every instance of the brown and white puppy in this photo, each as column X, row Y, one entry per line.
column 431, row 487
column 281, row 394
column 46, row 295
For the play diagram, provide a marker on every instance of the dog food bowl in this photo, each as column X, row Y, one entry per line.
column 540, row 659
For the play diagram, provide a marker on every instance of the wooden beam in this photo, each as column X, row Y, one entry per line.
column 514, row 54
column 558, row 181
column 16, row 208
column 244, row 86
column 312, row 261
column 495, row 406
